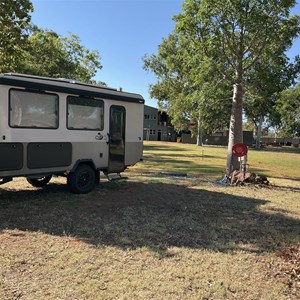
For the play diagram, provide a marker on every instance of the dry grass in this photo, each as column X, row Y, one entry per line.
column 153, row 237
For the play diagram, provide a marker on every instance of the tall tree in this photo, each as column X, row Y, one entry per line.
column 14, row 20
column 50, row 54
column 245, row 31
column 190, row 85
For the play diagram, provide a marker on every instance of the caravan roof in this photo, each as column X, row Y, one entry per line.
column 67, row 86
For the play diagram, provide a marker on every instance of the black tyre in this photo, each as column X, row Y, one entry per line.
column 39, row 182
column 97, row 177
column 82, row 180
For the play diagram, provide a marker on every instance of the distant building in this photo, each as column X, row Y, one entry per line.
column 219, row 138
column 157, row 125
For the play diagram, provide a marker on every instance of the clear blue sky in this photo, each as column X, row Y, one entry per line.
column 122, row 30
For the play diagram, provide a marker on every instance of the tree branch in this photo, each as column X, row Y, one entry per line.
column 225, row 34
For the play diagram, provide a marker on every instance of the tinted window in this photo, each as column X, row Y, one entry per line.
column 33, row 110
column 84, row 113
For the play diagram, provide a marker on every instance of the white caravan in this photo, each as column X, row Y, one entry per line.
column 67, row 128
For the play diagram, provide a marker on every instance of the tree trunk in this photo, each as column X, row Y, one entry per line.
column 199, row 134
column 259, row 131
column 236, row 122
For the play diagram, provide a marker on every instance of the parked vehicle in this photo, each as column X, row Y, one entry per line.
column 66, row 128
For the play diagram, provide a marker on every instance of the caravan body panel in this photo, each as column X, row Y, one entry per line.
column 48, row 125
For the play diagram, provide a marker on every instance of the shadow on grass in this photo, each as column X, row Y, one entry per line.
column 181, row 154
column 166, row 147
column 188, row 166
column 291, row 179
column 284, row 149
column 154, row 215
column 175, row 150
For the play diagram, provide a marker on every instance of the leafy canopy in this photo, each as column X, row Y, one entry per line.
column 14, row 20
column 50, row 54
column 288, row 108
column 27, row 49
column 186, row 79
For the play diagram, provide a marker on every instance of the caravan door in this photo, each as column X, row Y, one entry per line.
column 116, row 163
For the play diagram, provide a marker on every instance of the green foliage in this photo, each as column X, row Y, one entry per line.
column 49, row 54
column 28, row 49
column 190, row 85
column 271, row 76
column 14, row 20
column 252, row 36
column 288, row 111
column 244, row 30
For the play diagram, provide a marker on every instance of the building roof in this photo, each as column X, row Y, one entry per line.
column 158, row 109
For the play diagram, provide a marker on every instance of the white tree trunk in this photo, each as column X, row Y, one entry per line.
column 259, row 131
column 236, row 122
column 199, row 134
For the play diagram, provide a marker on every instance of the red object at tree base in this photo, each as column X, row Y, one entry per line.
column 239, row 149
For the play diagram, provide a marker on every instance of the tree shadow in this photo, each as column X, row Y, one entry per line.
column 155, row 215
column 182, row 154
column 297, row 179
column 284, row 149
column 188, row 166
column 285, row 188
column 168, row 146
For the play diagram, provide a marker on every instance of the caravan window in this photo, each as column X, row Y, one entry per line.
column 33, row 109
column 84, row 113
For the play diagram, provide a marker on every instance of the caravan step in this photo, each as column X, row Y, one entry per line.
column 115, row 176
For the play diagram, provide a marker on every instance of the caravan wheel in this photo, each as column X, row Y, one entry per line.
column 82, row 180
column 97, row 177
column 39, row 182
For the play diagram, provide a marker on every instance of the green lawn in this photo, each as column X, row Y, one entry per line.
column 283, row 162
